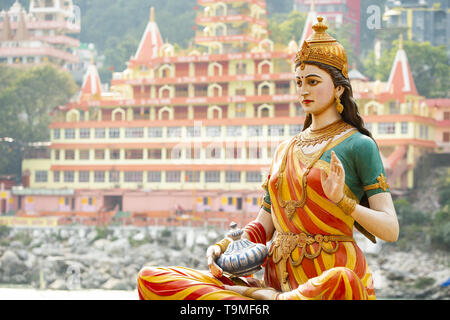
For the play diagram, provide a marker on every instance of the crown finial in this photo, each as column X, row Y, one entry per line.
column 152, row 14
column 400, row 41
column 320, row 26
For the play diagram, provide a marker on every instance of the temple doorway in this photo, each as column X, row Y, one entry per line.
column 113, row 203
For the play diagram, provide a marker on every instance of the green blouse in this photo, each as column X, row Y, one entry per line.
column 364, row 170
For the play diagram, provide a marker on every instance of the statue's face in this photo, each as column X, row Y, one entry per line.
column 315, row 88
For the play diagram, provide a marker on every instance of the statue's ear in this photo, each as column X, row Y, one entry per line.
column 339, row 90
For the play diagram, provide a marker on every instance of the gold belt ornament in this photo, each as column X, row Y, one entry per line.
column 285, row 243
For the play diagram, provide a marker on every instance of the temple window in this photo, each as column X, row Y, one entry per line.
column 134, row 132
column 69, row 133
column 194, row 131
column 154, row 176
column 100, row 133
column 56, row 176
column 56, row 134
column 133, row 154
column 69, row 155
column 99, row 176
column 234, row 131
column 404, row 127
column 254, row 131
column 133, row 176
column 84, row 154
column 213, row 152
column 174, row 132
column 275, row 130
column 386, row 128
column 114, row 133
column 155, row 132
column 83, row 176
column 154, row 153
column 213, row 131
column 212, row 176
column 240, row 110
column 85, row 133
column 192, row 176
column 241, row 68
column 99, row 154
column 253, row 176
column 69, row 176
column 114, row 154
column 232, row 176
column 114, row 176
column 173, row 176
column 40, row 176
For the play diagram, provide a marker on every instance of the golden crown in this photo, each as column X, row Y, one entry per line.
column 321, row 47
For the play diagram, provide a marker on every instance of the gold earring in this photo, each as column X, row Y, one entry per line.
column 339, row 106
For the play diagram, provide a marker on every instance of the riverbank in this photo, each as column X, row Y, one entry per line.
column 103, row 263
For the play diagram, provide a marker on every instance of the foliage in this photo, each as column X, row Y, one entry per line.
column 408, row 215
column 440, row 230
column 4, row 231
column 27, row 95
column 424, row 282
column 102, row 233
column 286, row 26
column 24, row 237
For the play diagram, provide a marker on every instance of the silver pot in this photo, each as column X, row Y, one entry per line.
column 242, row 256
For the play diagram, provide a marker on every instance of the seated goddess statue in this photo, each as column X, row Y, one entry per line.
column 323, row 182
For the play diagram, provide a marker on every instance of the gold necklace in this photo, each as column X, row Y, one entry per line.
column 290, row 206
column 310, row 137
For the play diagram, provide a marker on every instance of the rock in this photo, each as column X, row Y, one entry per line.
column 11, row 264
column 139, row 236
column 120, row 246
column 115, row 284
column 101, row 244
column 58, row 284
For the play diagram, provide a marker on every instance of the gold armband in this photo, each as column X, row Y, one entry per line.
column 223, row 244
column 382, row 184
column 347, row 205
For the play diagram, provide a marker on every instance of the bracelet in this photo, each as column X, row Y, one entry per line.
column 347, row 205
column 256, row 232
column 223, row 244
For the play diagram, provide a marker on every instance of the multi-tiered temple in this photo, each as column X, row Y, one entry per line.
column 195, row 130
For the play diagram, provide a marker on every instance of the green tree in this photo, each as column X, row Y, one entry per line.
column 284, row 27
column 25, row 104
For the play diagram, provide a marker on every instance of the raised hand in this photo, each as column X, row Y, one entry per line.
column 333, row 183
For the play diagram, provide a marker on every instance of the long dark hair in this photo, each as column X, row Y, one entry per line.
column 350, row 115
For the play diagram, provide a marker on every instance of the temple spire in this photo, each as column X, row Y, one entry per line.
column 6, row 34
column 310, row 21
column 312, row 9
column 151, row 41
column 401, row 81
